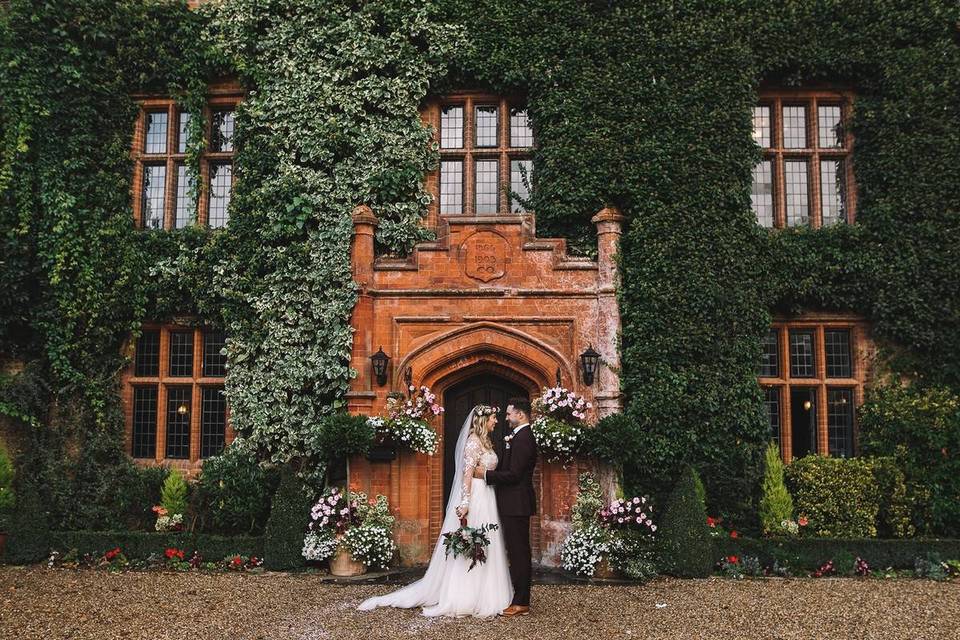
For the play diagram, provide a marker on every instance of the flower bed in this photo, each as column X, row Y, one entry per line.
column 808, row 555
column 140, row 544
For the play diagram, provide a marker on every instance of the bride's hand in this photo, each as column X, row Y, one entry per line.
column 462, row 511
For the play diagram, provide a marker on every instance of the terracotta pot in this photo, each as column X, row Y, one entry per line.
column 341, row 564
column 604, row 570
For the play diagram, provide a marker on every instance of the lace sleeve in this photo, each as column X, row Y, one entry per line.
column 471, row 456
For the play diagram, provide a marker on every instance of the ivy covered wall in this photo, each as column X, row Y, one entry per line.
column 641, row 105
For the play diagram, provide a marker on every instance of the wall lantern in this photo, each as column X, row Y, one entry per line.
column 380, row 360
column 589, row 360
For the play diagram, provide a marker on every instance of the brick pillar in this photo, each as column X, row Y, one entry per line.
column 361, row 396
column 607, row 393
column 361, row 260
column 609, row 222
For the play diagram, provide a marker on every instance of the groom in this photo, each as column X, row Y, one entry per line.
column 516, row 501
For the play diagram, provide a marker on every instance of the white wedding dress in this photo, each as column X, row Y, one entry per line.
column 449, row 588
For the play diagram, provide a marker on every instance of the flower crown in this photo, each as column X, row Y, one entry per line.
column 484, row 410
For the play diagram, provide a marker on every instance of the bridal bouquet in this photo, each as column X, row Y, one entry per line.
column 471, row 542
column 408, row 421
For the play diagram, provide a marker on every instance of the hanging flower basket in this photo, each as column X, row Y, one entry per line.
column 383, row 449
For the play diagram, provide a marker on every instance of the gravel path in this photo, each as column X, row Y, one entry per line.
column 36, row 602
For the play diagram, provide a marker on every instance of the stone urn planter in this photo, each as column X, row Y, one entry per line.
column 342, row 564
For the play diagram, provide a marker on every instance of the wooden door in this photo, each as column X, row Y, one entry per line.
column 458, row 400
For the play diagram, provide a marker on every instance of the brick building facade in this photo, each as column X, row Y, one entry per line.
column 488, row 310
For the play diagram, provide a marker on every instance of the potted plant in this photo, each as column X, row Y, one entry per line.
column 6, row 495
column 351, row 534
column 608, row 541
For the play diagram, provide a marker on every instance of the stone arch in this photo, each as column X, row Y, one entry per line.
column 516, row 352
column 483, row 347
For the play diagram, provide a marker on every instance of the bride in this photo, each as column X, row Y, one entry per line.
column 448, row 588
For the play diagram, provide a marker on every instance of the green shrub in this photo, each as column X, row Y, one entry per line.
column 234, row 493
column 287, row 524
column 28, row 537
column 7, row 499
column 685, row 542
column 893, row 518
column 341, row 435
column 137, row 495
column 174, row 494
column 776, row 504
column 613, row 440
column 839, row 496
column 920, row 428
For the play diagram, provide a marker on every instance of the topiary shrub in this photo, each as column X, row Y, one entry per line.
column 174, row 493
column 685, row 544
column 776, row 503
column 287, row 524
column 234, row 493
column 342, row 435
column 28, row 536
column 7, row 499
column 838, row 496
column 894, row 515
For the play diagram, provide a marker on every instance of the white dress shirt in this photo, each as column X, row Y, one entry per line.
column 515, row 429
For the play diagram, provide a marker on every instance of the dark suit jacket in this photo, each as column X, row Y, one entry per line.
column 513, row 476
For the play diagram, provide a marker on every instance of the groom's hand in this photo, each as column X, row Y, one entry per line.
column 478, row 472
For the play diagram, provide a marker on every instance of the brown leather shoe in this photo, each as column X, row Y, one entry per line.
column 516, row 610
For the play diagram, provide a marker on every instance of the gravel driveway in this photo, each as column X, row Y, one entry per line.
column 64, row 603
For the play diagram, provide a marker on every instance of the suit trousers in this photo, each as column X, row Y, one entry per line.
column 516, row 537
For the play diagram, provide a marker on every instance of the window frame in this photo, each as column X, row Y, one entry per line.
column 775, row 98
column 861, row 349
column 469, row 153
column 163, row 382
column 221, row 96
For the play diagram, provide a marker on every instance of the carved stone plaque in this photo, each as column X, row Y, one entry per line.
column 484, row 256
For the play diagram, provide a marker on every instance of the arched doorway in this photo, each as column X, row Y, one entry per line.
column 483, row 388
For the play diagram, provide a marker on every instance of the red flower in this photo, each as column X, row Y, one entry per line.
column 734, row 534
column 237, row 561
column 711, row 521
column 733, row 559
column 113, row 553
column 172, row 553
column 802, row 521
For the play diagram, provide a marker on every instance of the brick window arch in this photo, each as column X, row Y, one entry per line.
column 485, row 144
column 173, row 394
column 161, row 195
column 812, row 374
column 806, row 175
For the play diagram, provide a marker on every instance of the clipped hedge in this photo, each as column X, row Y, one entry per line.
column 811, row 553
column 140, row 544
column 839, row 496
